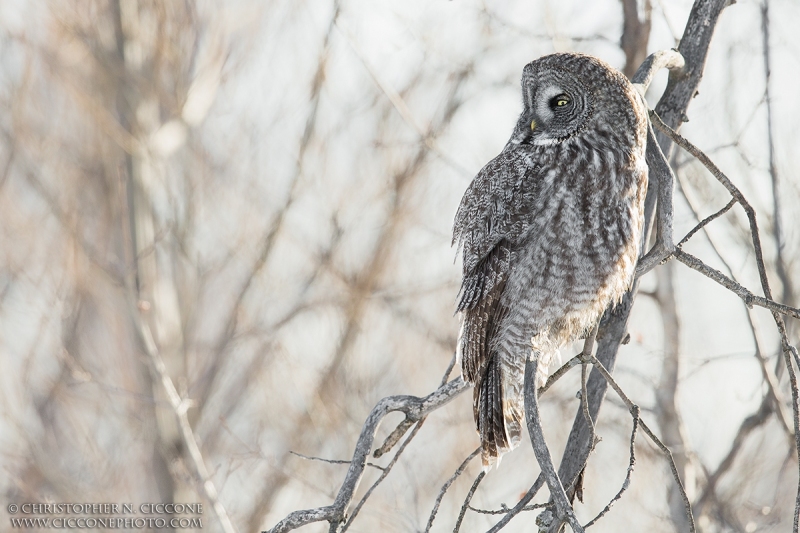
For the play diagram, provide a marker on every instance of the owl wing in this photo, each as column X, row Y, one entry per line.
column 496, row 206
column 493, row 218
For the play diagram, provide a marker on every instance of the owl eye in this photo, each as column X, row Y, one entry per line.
column 559, row 101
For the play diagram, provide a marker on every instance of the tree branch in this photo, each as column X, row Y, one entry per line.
column 655, row 62
column 179, row 407
column 631, row 463
column 661, row 174
column 634, row 409
column 521, row 506
column 447, row 485
column 414, row 408
column 563, row 507
column 465, row 505
column 703, row 223
column 749, row 298
column 769, row 375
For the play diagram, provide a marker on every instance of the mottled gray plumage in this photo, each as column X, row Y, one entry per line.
column 550, row 231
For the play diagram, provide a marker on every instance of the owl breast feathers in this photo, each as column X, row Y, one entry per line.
column 550, row 231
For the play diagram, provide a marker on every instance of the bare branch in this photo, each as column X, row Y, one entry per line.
column 673, row 104
column 505, row 510
column 334, row 525
column 585, row 357
column 471, row 493
column 415, row 408
column 743, row 293
column 634, row 409
column 558, row 495
column 180, row 407
column 669, row 59
column 521, row 506
column 333, row 461
column 703, row 223
column 447, row 485
column 662, row 174
column 613, row 325
column 749, row 298
column 631, row 464
column 395, row 436
column 575, row 361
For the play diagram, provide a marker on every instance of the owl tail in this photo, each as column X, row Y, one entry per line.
column 498, row 409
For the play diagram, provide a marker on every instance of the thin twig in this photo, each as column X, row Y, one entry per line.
column 703, row 223
column 449, row 369
column 585, row 356
column 505, row 510
column 394, row 437
column 470, row 494
column 631, row 464
column 555, row 376
column 633, row 408
column 332, row 461
column 363, row 500
column 447, row 485
column 398, row 432
column 749, row 298
column 521, row 506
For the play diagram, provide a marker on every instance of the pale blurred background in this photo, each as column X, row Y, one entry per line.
column 271, row 186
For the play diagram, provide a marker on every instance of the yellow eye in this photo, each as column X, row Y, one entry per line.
column 559, row 101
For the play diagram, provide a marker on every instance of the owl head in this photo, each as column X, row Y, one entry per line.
column 566, row 94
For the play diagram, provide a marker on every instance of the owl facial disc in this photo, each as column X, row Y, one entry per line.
column 556, row 106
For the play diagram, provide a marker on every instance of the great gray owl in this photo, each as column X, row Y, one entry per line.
column 550, row 231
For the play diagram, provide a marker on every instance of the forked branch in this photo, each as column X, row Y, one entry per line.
column 414, row 408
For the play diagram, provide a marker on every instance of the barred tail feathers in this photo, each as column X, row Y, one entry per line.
column 498, row 403
column 498, row 410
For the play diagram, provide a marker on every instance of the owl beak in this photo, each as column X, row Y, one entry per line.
column 523, row 134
